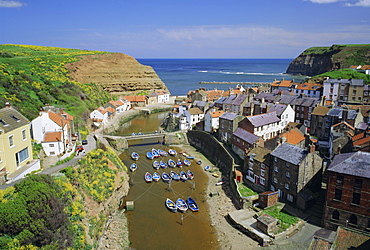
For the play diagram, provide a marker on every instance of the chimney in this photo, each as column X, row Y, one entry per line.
column 344, row 114
column 311, row 148
column 8, row 105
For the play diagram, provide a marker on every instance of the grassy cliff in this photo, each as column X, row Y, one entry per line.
column 32, row 76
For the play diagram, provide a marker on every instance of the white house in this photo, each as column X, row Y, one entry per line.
column 212, row 119
column 119, row 106
column 285, row 112
column 193, row 116
column 100, row 115
column 308, row 89
column 162, row 96
column 263, row 125
column 47, row 124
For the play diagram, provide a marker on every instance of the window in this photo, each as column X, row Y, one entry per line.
column 262, row 166
column 353, row 219
column 3, row 123
column 286, row 186
column 262, row 172
column 24, row 134
column 356, row 198
column 262, row 181
column 15, row 118
column 275, row 159
column 287, row 174
column 358, row 185
column 21, row 156
column 290, row 197
column 275, row 180
column 11, row 144
column 335, row 215
column 338, row 194
column 339, row 180
column 51, row 145
column 276, row 169
column 287, row 165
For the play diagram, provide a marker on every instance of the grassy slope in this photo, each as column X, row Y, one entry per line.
column 32, row 76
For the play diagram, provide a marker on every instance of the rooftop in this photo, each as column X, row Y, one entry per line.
column 355, row 163
column 290, row 153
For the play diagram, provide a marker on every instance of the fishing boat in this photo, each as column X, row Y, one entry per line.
column 155, row 153
column 156, row 165
column 190, row 174
column 187, row 162
column 156, row 176
column 163, row 164
column 183, row 176
column 149, row 155
column 190, row 157
column 135, row 156
column 172, row 152
column 171, row 205
column 174, row 176
column 148, row 177
column 133, row 167
column 166, row 178
column 192, row 205
column 199, row 162
column 162, row 152
column 171, row 163
column 179, row 163
column 207, row 168
column 181, row 205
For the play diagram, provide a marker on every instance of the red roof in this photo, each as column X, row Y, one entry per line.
column 136, row 98
column 53, row 136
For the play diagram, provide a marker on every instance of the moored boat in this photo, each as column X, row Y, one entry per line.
column 162, row 152
column 175, row 176
column 183, row 176
column 163, row 164
column 166, row 178
column 172, row 152
column 155, row 153
column 171, row 205
column 190, row 175
column 187, row 162
column 192, row 205
column 156, row 176
column 171, row 163
column 181, row 205
column 148, row 177
column 149, row 155
column 156, row 165
column 135, row 156
column 207, row 168
column 133, row 167
column 179, row 163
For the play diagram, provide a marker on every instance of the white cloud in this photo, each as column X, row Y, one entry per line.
column 10, row 4
column 324, row 1
column 362, row 3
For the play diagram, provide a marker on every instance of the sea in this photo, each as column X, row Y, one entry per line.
column 182, row 75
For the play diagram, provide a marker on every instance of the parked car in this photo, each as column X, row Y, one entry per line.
column 84, row 142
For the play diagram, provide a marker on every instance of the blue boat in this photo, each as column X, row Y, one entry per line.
column 171, row 205
column 190, row 157
column 172, row 152
column 171, row 163
column 183, row 176
column 174, row 176
column 149, row 155
column 207, row 168
column 156, row 165
column 156, row 176
column 133, row 167
column 192, row 205
column 190, row 174
column 155, row 153
column 162, row 152
column 135, row 156
column 181, row 205
column 166, row 178
column 179, row 163
column 187, row 162
column 163, row 164
column 148, row 177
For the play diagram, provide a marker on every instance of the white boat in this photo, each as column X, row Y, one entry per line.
column 135, row 156
column 181, row 205
column 156, row 176
column 133, row 167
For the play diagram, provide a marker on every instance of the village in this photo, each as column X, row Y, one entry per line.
column 302, row 144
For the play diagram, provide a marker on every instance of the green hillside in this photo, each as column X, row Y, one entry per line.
column 32, row 76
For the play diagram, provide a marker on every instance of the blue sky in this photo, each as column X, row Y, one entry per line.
column 187, row 29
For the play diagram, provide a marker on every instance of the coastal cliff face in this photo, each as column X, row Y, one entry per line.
column 318, row 60
column 116, row 73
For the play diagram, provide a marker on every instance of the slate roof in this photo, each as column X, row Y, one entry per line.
column 266, row 96
column 230, row 99
column 245, row 135
column 350, row 239
column 221, row 100
column 239, row 100
column 261, row 154
column 228, row 116
column 307, row 101
column 338, row 112
column 263, row 119
column 200, row 103
column 290, row 153
column 287, row 99
column 362, row 126
column 355, row 163
column 278, row 108
column 11, row 119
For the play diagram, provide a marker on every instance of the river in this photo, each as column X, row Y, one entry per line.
column 151, row 225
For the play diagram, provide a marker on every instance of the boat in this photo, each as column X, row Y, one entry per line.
column 181, row 205
column 155, row 153
column 187, row 162
column 156, row 165
column 166, row 178
column 171, row 163
column 156, row 176
column 174, row 176
column 171, row 205
column 162, row 152
column 207, row 168
column 179, row 163
column 199, row 162
column 183, row 176
column 135, row 156
column 190, row 157
column 192, row 205
column 148, row 177
column 172, row 152
column 149, row 155
column 219, row 183
column 133, row 167
column 163, row 164
column 190, row 175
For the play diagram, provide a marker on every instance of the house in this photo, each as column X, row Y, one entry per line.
column 238, row 104
column 320, row 125
column 257, row 168
column 282, row 85
column 303, row 107
column 158, row 97
column 227, row 104
column 284, row 112
column 137, row 100
column 50, row 120
column 242, row 141
column 348, row 192
column 228, row 123
column 219, row 103
column 15, row 146
column 296, row 174
column 193, row 116
column 211, row 120
column 344, row 91
column 119, row 106
column 265, row 126
column 202, row 105
column 198, row 95
column 99, row 116
column 308, row 89
column 340, row 138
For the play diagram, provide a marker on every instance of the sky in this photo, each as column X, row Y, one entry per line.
column 187, row 29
